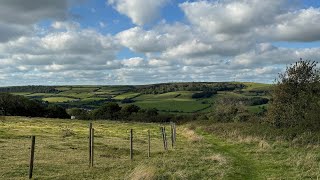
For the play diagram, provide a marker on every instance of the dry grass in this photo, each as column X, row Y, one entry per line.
column 264, row 145
column 191, row 135
column 143, row 172
column 217, row 158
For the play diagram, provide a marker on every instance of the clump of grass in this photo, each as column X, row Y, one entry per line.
column 264, row 145
column 307, row 162
column 217, row 158
column 191, row 135
column 142, row 172
column 67, row 132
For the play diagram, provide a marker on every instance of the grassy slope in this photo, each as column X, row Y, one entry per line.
column 173, row 101
column 266, row 159
column 200, row 154
column 59, row 157
column 57, row 99
column 164, row 102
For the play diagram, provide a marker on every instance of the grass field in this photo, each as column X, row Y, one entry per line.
column 127, row 95
column 62, row 152
column 57, row 99
column 179, row 101
column 256, row 86
column 200, row 153
column 174, row 102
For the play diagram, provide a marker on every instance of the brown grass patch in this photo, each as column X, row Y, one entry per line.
column 217, row 158
column 264, row 144
column 142, row 172
column 191, row 135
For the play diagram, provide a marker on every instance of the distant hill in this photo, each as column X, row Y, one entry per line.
column 185, row 97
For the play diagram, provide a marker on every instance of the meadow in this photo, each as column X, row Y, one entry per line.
column 203, row 151
column 178, row 102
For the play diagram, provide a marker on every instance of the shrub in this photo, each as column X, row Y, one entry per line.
column 296, row 97
column 55, row 111
column 107, row 111
column 205, row 94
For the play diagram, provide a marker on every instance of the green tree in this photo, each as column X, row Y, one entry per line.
column 78, row 113
column 296, row 97
column 107, row 111
column 55, row 111
column 129, row 109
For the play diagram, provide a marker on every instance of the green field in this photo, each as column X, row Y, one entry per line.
column 173, row 102
column 179, row 101
column 127, row 95
column 57, row 99
column 256, row 86
column 203, row 151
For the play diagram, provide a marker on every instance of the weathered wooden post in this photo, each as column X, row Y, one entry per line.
column 165, row 138
column 92, row 146
column 149, row 143
column 174, row 132
column 162, row 134
column 90, row 139
column 172, row 135
column 131, row 144
column 33, row 142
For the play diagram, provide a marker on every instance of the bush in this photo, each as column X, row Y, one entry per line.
column 296, row 97
column 78, row 113
column 107, row 111
column 55, row 111
column 205, row 94
column 126, row 101
column 229, row 110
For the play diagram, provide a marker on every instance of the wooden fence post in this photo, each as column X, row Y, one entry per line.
column 162, row 134
column 131, row 144
column 90, row 139
column 33, row 142
column 149, row 143
column 172, row 135
column 165, row 138
column 174, row 132
column 92, row 146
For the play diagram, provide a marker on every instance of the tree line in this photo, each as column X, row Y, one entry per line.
column 31, row 89
column 14, row 105
column 188, row 86
column 130, row 112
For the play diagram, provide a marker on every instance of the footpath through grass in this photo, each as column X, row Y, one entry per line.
column 254, row 157
column 62, row 152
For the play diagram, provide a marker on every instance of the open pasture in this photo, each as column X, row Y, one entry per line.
column 202, row 151
column 61, row 151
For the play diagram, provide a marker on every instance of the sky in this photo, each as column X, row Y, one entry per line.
column 109, row 42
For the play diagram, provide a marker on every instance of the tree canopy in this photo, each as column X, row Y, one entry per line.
column 296, row 97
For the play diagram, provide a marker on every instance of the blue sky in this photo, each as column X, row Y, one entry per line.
column 97, row 42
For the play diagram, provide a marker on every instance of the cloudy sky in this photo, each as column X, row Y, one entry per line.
column 58, row 42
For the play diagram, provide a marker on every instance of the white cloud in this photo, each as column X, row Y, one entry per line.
column 301, row 26
column 139, row 11
column 70, row 49
column 133, row 62
column 231, row 16
column 218, row 41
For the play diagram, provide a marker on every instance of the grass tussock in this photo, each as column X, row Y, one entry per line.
column 217, row 158
column 143, row 172
column 263, row 144
column 191, row 135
